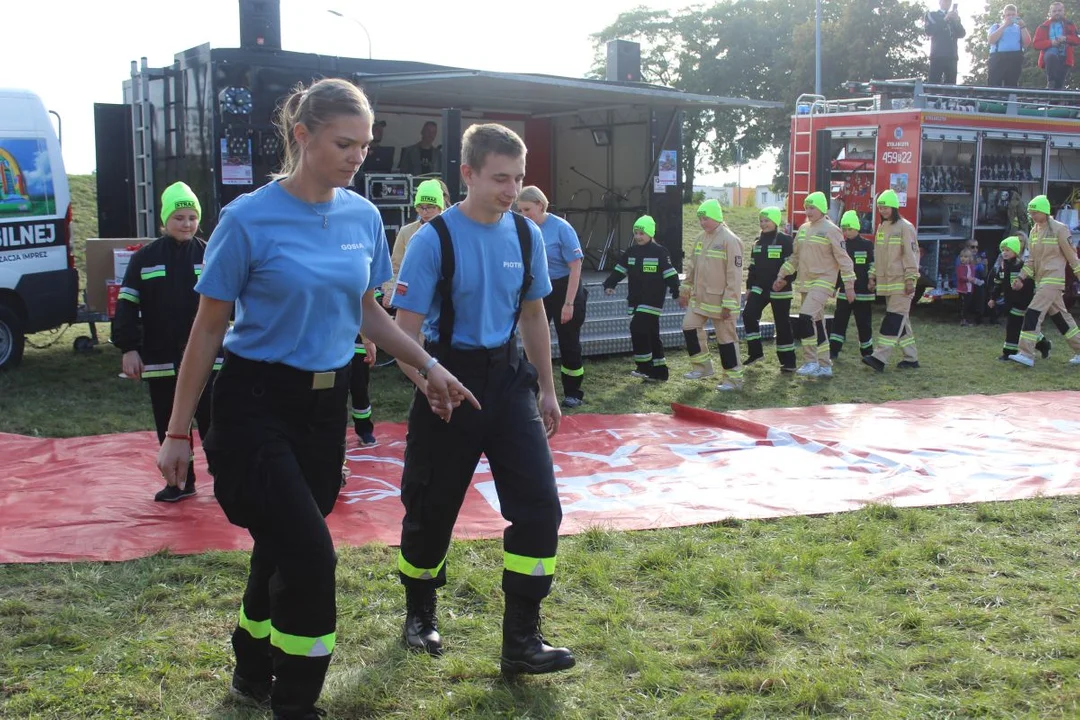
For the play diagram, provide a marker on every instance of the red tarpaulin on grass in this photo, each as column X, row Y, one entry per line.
column 92, row 498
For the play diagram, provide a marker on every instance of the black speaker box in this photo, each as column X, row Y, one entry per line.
column 260, row 24
column 623, row 61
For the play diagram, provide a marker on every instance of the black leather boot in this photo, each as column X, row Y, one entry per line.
column 524, row 649
column 421, row 631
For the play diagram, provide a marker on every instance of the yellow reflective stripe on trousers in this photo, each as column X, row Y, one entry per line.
column 409, row 570
column 303, row 646
column 536, row 567
column 257, row 629
column 572, row 373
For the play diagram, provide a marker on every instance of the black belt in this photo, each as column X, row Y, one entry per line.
column 284, row 376
column 505, row 354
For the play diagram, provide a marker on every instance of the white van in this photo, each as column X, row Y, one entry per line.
column 39, row 285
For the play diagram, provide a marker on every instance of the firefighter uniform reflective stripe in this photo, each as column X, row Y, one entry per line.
column 536, row 567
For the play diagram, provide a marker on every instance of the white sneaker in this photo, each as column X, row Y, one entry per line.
column 1025, row 360
column 639, row 374
column 823, row 371
column 808, row 369
column 727, row 386
column 698, row 374
column 1075, row 359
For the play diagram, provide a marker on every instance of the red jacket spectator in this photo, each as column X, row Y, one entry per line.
column 1042, row 43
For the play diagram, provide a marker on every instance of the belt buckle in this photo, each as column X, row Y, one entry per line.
column 323, row 380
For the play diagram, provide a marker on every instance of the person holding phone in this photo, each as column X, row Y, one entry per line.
column 1054, row 40
column 1008, row 39
column 944, row 28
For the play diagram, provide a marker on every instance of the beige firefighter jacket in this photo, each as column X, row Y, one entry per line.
column 1050, row 250
column 817, row 255
column 714, row 273
column 896, row 257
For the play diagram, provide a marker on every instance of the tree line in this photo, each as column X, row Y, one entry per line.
column 764, row 49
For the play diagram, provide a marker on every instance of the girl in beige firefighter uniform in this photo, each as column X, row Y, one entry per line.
column 818, row 255
column 712, row 291
column 896, row 267
column 1050, row 251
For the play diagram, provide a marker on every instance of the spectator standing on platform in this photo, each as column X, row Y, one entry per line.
column 1008, row 39
column 1054, row 40
column 944, row 28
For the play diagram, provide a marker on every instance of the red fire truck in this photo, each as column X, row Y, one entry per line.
column 965, row 161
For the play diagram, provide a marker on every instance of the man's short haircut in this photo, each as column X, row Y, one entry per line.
column 479, row 141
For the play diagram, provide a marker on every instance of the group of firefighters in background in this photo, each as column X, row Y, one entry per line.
column 823, row 258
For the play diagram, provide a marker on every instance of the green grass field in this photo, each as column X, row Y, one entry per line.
column 967, row 611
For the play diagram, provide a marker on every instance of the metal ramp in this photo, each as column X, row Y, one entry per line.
column 606, row 330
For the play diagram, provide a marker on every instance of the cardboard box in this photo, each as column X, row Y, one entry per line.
column 112, row 293
column 100, row 268
column 121, row 258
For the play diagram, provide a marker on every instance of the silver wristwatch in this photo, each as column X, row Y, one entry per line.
column 427, row 367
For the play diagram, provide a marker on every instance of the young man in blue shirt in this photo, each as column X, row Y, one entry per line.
column 466, row 277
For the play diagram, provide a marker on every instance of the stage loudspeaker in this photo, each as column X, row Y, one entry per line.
column 260, row 24
column 451, row 153
column 623, row 61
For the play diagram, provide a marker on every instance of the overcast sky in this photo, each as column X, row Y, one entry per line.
column 83, row 55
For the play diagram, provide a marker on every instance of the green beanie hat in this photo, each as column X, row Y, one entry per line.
column 817, row 200
column 889, row 198
column 178, row 196
column 712, row 210
column 851, row 221
column 1039, row 203
column 646, row 225
column 771, row 213
column 429, row 192
column 1011, row 243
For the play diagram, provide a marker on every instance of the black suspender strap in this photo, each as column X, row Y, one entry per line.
column 445, row 286
column 525, row 241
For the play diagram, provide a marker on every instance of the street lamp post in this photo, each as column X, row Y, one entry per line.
column 350, row 17
column 817, row 49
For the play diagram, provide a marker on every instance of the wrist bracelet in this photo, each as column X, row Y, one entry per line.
column 177, row 436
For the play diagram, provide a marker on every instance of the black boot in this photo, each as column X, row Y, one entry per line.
column 1044, row 347
column 524, row 649
column 421, row 632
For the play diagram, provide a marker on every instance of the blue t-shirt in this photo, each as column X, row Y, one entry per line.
column 297, row 281
column 561, row 243
column 1010, row 41
column 488, row 273
column 1056, row 30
